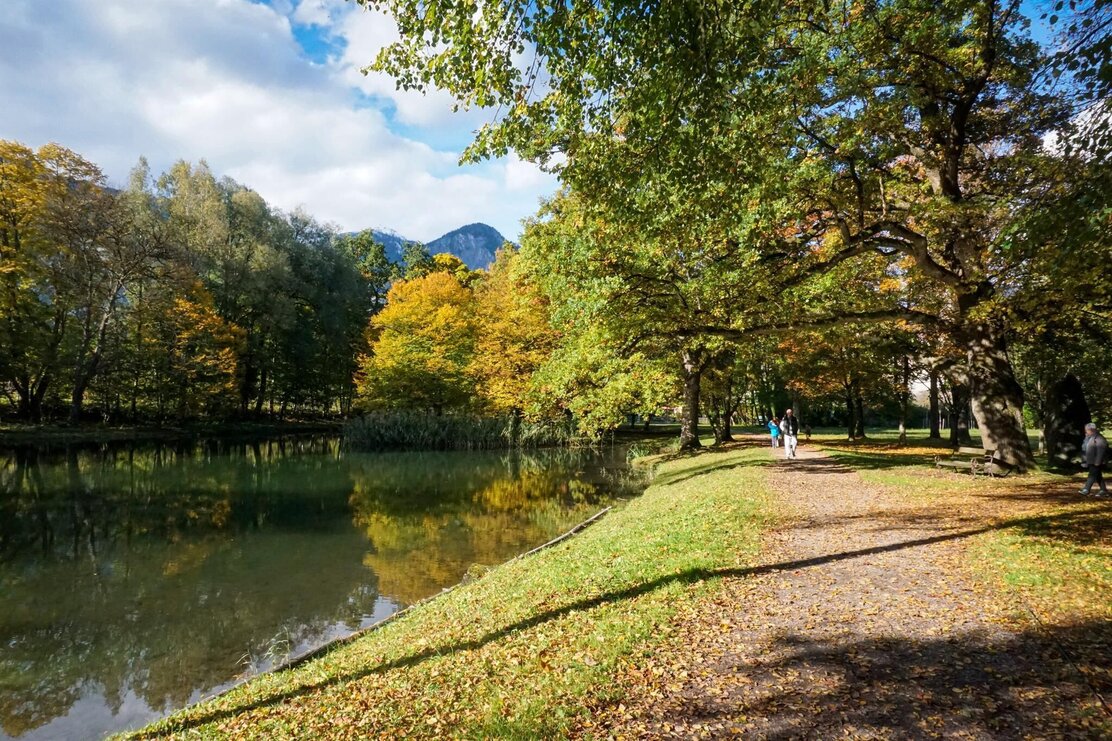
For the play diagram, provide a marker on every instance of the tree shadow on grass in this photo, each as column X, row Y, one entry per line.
column 710, row 466
column 687, row 577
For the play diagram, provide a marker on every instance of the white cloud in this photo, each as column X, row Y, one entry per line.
column 225, row 80
column 317, row 12
column 365, row 33
column 524, row 175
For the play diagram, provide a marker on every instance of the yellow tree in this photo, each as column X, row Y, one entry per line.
column 203, row 354
column 514, row 337
column 423, row 345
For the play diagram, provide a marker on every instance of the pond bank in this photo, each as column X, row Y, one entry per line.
column 15, row 435
column 528, row 649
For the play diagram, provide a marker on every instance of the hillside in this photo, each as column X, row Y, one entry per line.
column 475, row 244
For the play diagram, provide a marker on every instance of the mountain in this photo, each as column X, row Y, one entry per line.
column 393, row 242
column 475, row 244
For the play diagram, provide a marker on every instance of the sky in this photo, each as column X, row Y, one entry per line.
column 268, row 93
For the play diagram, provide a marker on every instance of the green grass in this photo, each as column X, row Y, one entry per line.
column 529, row 648
column 1060, row 560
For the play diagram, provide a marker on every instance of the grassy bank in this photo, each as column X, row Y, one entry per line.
column 532, row 645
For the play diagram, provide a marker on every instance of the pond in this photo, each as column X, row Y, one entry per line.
column 136, row 579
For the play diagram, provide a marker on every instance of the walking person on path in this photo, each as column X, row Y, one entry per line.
column 1096, row 452
column 774, row 431
column 790, row 427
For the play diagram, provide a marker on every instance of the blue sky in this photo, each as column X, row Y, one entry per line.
column 268, row 93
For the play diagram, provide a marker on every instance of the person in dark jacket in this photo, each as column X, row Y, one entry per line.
column 1096, row 453
column 789, row 425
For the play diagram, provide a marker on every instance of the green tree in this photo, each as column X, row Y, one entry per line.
column 908, row 129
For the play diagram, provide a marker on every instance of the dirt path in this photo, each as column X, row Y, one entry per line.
column 869, row 626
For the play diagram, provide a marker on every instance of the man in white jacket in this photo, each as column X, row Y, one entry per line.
column 789, row 425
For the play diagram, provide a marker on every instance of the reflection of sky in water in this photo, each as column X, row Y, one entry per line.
column 135, row 581
column 91, row 716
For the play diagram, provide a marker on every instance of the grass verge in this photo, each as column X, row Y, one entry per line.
column 524, row 651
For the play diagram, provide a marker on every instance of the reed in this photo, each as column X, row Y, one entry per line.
column 410, row 430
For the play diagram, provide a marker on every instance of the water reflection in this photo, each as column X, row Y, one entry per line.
column 133, row 580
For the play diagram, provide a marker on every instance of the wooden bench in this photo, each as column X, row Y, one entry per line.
column 974, row 460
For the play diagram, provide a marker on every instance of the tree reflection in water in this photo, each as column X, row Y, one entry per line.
column 135, row 579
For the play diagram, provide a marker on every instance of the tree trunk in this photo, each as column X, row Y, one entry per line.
column 689, row 418
column 905, row 395
column 87, row 368
column 727, row 415
column 997, row 398
column 859, row 405
column 959, row 414
column 850, row 414
column 247, row 392
column 261, row 398
column 1067, row 413
column 936, row 433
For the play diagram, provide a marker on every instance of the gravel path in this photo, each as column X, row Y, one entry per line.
column 867, row 626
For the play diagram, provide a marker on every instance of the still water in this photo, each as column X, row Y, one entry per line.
column 137, row 579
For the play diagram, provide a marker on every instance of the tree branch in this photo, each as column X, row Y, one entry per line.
column 865, row 317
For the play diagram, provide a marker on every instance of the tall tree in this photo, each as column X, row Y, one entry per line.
column 424, row 342
column 907, row 128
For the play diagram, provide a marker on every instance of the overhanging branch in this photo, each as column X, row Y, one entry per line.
column 864, row 317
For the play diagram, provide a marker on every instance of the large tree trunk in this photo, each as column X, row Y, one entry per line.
column 1067, row 413
column 997, row 398
column 31, row 394
column 936, row 433
column 959, row 414
column 859, row 409
column 689, row 418
column 94, row 345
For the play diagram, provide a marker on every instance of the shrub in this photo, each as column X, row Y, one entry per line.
column 408, row 430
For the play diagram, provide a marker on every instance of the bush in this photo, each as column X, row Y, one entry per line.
column 404, row 430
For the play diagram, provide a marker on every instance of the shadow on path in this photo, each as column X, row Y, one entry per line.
column 981, row 684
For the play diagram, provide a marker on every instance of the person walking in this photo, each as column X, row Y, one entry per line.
column 789, row 425
column 1095, row 450
column 774, row 430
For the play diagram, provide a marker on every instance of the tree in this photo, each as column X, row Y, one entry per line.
column 423, row 346
column 32, row 329
column 370, row 257
column 908, row 129
column 514, row 338
column 416, row 261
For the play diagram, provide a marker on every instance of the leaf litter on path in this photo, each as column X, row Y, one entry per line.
column 871, row 623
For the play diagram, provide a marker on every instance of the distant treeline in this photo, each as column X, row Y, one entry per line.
column 181, row 296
